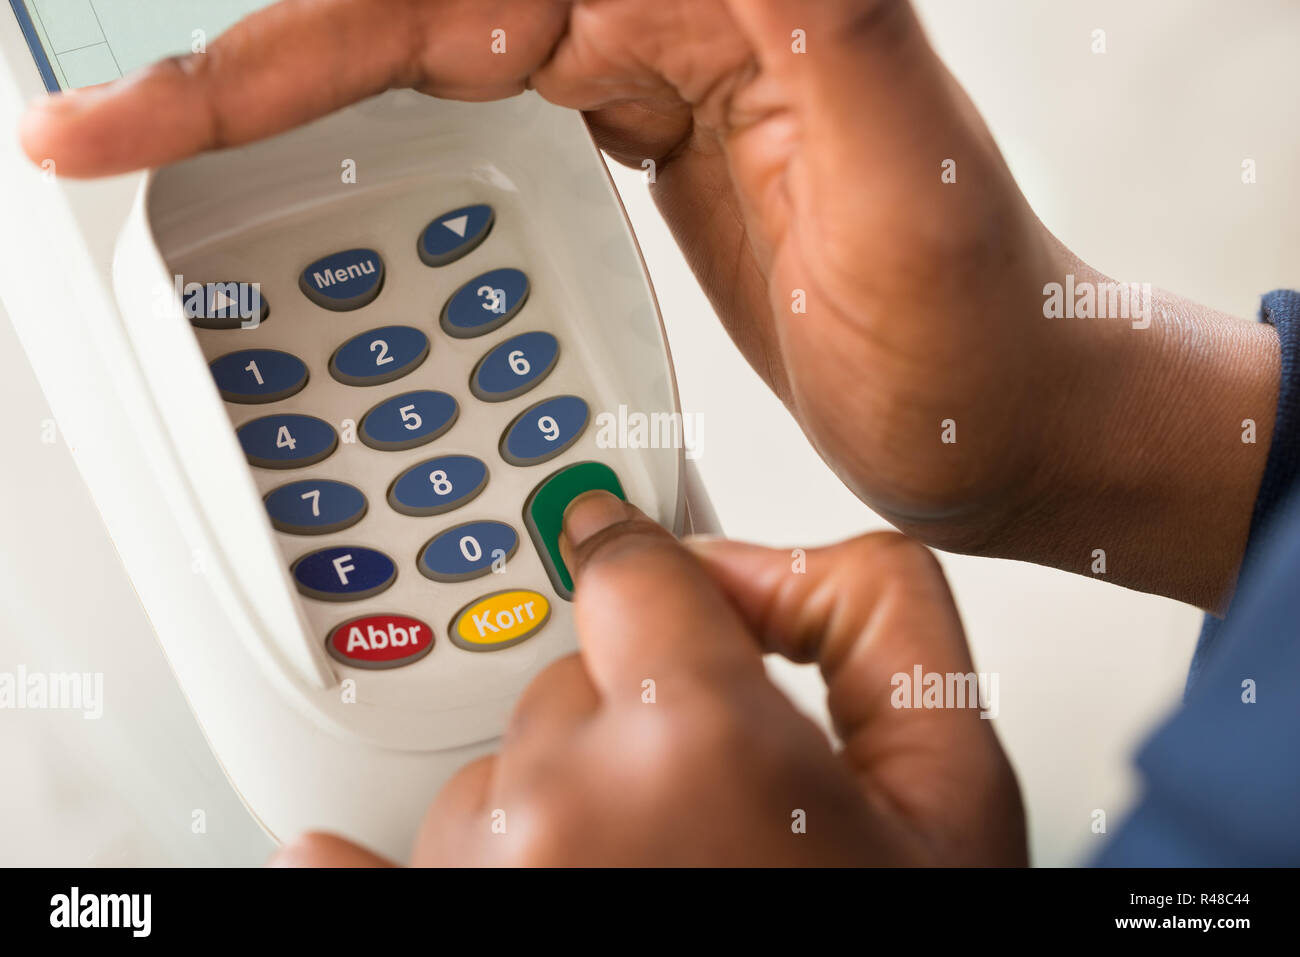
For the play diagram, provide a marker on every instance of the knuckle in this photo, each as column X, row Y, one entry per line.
column 545, row 830
column 892, row 554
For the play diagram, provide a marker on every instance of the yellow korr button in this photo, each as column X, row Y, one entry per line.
column 499, row 621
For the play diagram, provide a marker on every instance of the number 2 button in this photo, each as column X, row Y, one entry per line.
column 379, row 356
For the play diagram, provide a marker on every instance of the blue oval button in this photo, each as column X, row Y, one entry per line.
column 408, row 420
column 343, row 281
column 258, row 375
column 515, row 366
column 455, row 234
column 287, row 441
column 343, row 573
column 467, row 551
column 438, row 485
column 484, row 303
column 544, row 430
column 315, row 507
column 379, row 356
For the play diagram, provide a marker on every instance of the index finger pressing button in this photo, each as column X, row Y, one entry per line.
column 544, row 514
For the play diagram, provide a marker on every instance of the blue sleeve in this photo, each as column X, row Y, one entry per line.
column 1222, row 776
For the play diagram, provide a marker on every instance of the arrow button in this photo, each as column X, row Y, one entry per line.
column 455, row 233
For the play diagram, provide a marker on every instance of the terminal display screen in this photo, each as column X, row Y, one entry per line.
column 83, row 42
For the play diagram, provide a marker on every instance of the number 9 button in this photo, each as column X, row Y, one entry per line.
column 544, row 430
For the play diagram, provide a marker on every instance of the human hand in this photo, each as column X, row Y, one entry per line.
column 814, row 176
column 716, row 766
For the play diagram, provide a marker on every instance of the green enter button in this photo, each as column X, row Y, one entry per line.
column 544, row 514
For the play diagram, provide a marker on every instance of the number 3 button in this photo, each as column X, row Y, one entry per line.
column 543, row 431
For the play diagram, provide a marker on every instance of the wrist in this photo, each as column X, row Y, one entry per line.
column 1165, row 420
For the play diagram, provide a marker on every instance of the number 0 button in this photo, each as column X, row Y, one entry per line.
column 515, row 366
column 543, row 431
column 343, row 573
column 287, row 441
column 467, row 551
column 438, row 485
column 258, row 375
column 379, row 356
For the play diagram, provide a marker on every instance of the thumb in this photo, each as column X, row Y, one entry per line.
column 872, row 612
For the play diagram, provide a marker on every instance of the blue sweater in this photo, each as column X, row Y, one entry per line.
column 1222, row 776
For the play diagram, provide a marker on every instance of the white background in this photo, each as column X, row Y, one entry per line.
column 1132, row 157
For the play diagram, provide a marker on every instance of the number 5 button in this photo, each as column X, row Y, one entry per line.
column 408, row 420
column 543, row 431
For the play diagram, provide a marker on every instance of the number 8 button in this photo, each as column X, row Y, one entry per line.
column 438, row 485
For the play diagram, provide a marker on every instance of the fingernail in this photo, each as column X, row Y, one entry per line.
column 590, row 513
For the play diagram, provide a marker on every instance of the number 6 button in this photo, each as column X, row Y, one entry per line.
column 514, row 367
column 287, row 441
column 543, row 431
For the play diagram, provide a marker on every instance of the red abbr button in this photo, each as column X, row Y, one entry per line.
column 380, row 641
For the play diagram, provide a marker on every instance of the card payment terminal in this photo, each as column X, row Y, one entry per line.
column 331, row 393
